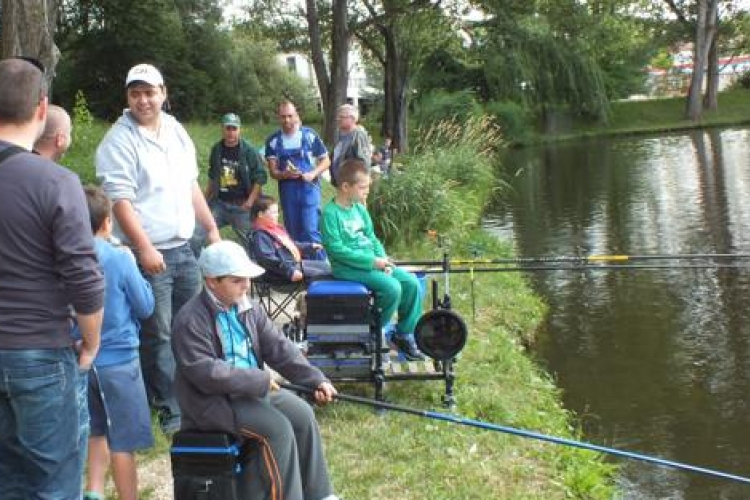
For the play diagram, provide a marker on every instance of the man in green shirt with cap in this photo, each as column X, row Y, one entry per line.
column 235, row 178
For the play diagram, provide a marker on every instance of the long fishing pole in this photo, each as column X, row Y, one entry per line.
column 582, row 259
column 435, row 267
column 524, row 433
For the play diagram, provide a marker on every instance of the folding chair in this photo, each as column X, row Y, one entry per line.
column 274, row 294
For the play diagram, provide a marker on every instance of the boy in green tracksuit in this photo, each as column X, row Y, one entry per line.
column 356, row 254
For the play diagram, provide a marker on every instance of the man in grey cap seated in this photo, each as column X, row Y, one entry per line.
column 221, row 343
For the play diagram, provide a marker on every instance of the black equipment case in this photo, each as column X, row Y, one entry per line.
column 205, row 466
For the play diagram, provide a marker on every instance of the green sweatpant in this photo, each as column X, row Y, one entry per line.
column 397, row 291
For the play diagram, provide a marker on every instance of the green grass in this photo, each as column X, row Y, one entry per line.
column 659, row 116
column 397, row 456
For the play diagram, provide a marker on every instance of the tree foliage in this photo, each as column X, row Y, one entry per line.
column 102, row 39
column 209, row 69
column 400, row 34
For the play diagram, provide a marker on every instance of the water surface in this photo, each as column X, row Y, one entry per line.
column 652, row 361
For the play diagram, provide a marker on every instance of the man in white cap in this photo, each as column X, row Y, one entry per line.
column 148, row 168
column 221, row 343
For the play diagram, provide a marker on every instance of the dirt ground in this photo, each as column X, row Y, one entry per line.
column 155, row 479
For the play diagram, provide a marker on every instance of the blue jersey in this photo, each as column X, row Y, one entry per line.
column 298, row 151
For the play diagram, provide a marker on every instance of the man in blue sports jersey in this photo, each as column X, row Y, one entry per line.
column 296, row 158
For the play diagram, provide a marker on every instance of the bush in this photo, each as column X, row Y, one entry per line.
column 443, row 185
column 86, row 136
column 742, row 81
column 438, row 106
column 514, row 120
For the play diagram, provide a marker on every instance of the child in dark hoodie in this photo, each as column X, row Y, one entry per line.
column 276, row 252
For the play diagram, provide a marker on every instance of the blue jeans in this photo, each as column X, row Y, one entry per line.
column 172, row 288
column 82, row 399
column 225, row 214
column 39, row 425
column 300, row 204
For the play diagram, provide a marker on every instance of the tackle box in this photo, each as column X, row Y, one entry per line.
column 338, row 303
column 205, row 466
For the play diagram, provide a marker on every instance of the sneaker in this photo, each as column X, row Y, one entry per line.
column 407, row 346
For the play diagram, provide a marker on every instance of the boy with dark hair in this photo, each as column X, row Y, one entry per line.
column 356, row 254
column 276, row 252
column 120, row 417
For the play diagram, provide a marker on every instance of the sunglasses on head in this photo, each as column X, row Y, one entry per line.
column 33, row 61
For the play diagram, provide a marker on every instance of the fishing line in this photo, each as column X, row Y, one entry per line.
column 527, row 434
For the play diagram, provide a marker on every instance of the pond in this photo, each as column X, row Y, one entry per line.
column 654, row 361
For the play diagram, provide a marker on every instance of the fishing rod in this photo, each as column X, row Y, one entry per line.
column 436, row 267
column 581, row 259
column 524, row 433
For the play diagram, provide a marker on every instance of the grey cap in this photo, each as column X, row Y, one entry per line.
column 227, row 258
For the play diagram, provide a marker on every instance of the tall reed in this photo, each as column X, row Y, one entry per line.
column 441, row 185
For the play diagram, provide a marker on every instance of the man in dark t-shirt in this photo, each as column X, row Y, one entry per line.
column 235, row 178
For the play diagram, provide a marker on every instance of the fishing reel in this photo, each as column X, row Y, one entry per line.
column 441, row 334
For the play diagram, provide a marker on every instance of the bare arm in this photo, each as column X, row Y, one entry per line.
column 151, row 260
column 254, row 193
column 210, row 191
column 273, row 168
column 203, row 214
column 323, row 164
column 90, row 326
column 278, row 174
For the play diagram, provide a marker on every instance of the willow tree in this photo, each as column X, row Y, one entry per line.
column 545, row 70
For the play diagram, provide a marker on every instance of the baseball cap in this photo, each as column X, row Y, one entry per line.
column 230, row 119
column 227, row 258
column 144, row 73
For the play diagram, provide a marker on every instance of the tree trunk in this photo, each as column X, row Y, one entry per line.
column 395, row 91
column 339, row 66
column 711, row 98
column 28, row 27
column 316, row 52
column 332, row 85
column 705, row 32
column 695, row 102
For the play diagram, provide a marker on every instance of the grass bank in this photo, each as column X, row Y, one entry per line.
column 655, row 116
column 402, row 457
